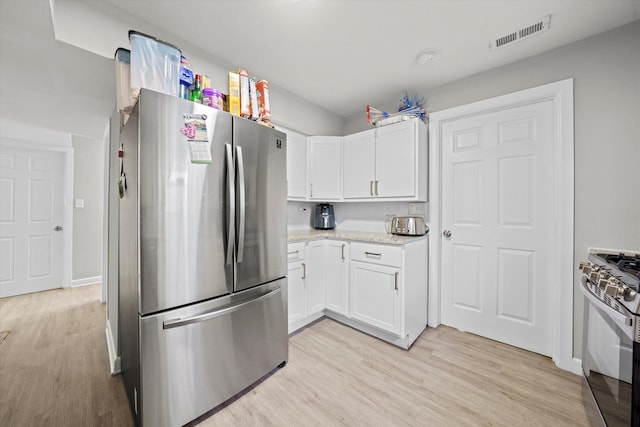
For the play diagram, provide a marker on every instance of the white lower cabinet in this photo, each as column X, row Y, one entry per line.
column 296, row 289
column 305, row 294
column 315, row 277
column 375, row 295
column 336, row 262
column 378, row 289
column 296, row 295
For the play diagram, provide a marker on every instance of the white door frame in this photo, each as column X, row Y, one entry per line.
column 67, row 203
column 561, row 93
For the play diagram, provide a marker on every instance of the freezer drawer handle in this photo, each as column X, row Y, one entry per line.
column 176, row 323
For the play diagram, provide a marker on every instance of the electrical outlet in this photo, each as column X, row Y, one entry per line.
column 417, row 208
column 79, row 203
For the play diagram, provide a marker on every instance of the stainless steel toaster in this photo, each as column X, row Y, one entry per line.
column 408, row 226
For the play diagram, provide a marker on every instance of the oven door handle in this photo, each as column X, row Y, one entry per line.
column 624, row 322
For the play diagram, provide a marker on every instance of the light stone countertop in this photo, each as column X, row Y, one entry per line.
column 357, row 236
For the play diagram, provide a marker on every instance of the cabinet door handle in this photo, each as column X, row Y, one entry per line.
column 343, row 245
column 371, row 187
column 376, row 187
column 294, row 252
column 395, row 279
column 304, row 271
column 311, row 189
column 373, row 254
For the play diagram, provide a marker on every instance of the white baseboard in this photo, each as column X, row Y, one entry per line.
column 114, row 359
column 575, row 366
column 86, row 281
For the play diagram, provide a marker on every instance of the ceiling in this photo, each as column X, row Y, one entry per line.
column 338, row 54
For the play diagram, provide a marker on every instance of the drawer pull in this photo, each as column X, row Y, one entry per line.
column 373, row 254
column 294, row 252
column 175, row 323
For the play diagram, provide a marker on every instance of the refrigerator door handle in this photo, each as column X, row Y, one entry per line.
column 231, row 206
column 241, row 203
column 176, row 323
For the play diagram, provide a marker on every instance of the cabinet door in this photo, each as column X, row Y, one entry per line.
column 296, row 166
column 296, row 295
column 315, row 276
column 337, row 277
column 325, row 168
column 375, row 295
column 396, row 160
column 358, row 165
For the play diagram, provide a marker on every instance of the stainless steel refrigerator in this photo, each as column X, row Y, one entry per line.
column 202, row 257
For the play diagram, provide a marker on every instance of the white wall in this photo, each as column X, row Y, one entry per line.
column 606, row 72
column 16, row 131
column 88, row 185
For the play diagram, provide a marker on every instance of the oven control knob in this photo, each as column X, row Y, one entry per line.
column 594, row 275
column 613, row 290
column 602, row 283
column 629, row 294
column 585, row 267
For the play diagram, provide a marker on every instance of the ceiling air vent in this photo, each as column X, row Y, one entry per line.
column 522, row 33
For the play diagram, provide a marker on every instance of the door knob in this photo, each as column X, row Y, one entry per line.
column 57, row 228
column 446, row 233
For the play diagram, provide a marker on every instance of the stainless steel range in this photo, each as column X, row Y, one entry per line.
column 611, row 346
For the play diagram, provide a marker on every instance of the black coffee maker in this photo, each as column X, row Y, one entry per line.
column 324, row 218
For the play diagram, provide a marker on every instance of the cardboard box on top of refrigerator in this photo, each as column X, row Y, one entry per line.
column 255, row 111
column 262, row 93
column 205, row 81
column 245, row 100
column 233, row 100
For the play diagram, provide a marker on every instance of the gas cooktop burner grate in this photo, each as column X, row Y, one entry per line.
column 627, row 263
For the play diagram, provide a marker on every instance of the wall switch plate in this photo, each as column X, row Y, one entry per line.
column 79, row 203
column 417, row 208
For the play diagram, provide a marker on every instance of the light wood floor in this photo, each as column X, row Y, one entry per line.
column 54, row 372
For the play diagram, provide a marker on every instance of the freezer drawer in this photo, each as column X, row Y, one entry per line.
column 194, row 358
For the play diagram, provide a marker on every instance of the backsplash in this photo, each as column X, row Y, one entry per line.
column 349, row 216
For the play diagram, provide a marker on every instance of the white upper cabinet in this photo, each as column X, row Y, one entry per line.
column 386, row 163
column 396, row 165
column 325, row 168
column 359, row 160
column 296, row 166
column 382, row 164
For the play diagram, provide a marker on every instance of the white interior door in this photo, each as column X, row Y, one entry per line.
column 497, row 205
column 31, row 207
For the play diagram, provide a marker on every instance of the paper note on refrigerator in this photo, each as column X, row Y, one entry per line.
column 195, row 129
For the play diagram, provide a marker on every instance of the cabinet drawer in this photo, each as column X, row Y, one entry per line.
column 376, row 254
column 295, row 251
